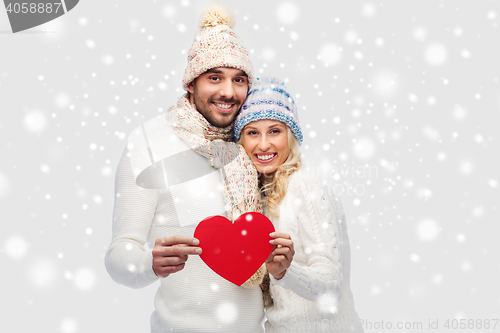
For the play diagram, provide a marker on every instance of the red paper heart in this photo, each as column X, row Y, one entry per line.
column 236, row 250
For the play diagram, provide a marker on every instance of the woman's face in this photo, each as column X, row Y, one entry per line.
column 266, row 142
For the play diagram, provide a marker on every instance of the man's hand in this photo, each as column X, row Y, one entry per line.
column 171, row 253
column 282, row 255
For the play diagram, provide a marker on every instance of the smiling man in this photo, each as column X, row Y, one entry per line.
column 218, row 94
column 177, row 169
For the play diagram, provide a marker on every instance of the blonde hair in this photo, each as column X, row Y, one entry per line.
column 274, row 185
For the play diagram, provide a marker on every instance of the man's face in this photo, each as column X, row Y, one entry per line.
column 219, row 94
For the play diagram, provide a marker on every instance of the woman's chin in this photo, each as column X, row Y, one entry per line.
column 267, row 169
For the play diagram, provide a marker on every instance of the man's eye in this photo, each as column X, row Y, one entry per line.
column 239, row 80
column 214, row 78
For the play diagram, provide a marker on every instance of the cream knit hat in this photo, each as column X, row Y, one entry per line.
column 216, row 45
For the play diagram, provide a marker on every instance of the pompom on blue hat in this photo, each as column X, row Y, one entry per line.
column 268, row 99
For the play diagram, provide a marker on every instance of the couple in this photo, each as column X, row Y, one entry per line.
column 228, row 147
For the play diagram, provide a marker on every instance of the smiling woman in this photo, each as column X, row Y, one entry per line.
column 268, row 128
column 266, row 142
column 309, row 267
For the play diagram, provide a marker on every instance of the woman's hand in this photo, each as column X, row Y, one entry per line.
column 282, row 255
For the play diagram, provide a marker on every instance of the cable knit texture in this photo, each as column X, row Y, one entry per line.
column 162, row 188
column 314, row 295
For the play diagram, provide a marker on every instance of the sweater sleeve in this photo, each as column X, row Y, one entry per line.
column 127, row 259
column 318, row 218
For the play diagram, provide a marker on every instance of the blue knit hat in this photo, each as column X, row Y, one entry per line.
column 268, row 99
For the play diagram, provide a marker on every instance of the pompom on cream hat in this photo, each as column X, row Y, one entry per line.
column 216, row 45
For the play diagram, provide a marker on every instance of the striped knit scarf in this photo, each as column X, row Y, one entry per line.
column 239, row 176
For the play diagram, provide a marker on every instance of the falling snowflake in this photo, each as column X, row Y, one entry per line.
column 287, row 13
column 35, row 121
column 427, row 230
column 436, row 54
column 226, row 313
column 84, row 279
column 16, row 247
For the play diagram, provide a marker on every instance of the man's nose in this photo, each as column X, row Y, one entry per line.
column 227, row 89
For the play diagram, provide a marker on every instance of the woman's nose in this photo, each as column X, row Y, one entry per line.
column 264, row 143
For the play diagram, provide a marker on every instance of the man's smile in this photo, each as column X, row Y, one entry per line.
column 224, row 107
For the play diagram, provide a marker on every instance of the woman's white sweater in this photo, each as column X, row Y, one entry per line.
column 315, row 294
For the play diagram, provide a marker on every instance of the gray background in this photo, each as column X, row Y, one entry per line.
column 399, row 102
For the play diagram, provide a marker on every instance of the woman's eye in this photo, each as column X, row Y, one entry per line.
column 274, row 131
column 251, row 132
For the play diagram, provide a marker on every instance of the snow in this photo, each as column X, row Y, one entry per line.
column 461, row 238
column 68, row 325
column 428, row 230
column 90, row 44
column 419, row 33
column 43, row 273
column 375, row 290
column 436, row 54
column 364, row 148
column 169, row 11
column 369, row 10
column 268, row 54
column 226, row 313
column 83, row 21
column 35, row 121
column 386, row 84
column 466, row 167
column 45, row 168
column 465, row 266
column 62, row 100
column 437, row 278
column 108, row 59
column 414, row 257
column 85, row 279
column 330, row 54
column 16, row 247
column 287, row 13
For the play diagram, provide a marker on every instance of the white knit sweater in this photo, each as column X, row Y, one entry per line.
column 314, row 295
column 164, row 188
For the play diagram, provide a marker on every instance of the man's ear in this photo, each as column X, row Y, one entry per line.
column 190, row 87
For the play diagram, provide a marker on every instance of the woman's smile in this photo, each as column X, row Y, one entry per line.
column 266, row 157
